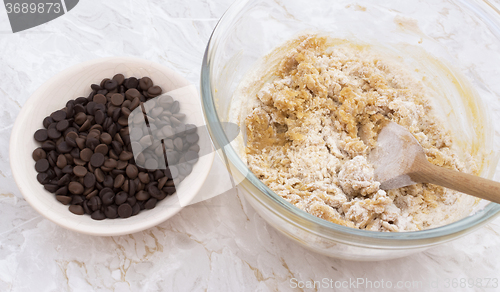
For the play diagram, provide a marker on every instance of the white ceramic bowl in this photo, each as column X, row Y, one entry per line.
column 70, row 84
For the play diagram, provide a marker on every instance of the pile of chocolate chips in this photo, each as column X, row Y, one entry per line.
column 86, row 157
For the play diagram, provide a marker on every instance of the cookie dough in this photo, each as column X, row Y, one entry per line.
column 313, row 126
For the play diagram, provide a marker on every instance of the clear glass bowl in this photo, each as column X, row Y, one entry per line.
column 463, row 33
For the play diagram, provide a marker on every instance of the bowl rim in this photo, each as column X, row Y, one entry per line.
column 321, row 227
column 101, row 228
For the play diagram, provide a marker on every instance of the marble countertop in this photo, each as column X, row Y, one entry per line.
column 216, row 245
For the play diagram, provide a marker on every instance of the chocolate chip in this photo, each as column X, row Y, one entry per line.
column 142, row 196
column 77, row 200
column 95, row 87
column 97, row 159
column 154, row 191
column 42, row 165
column 75, row 188
column 111, row 211
column 99, row 117
column 91, row 143
column 80, row 171
column 132, row 187
column 98, row 215
column 101, row 148
column 119, row 78
column 47, row 121
column 151, row 163
column 89, row 180
column 112, row 130
column 42, row 178
column 192, row 138
column 110, row 84
column 64, row 180
column 53, row 133
column 178, row 144
column 150, row 204
column 86, row 154
column 62, row 125
column 135, row 103
column 119, row 180
column 108, row 181
column 78, row 161
column 121, row 198
column 94, row 203
column 106, row 138
column 108, row 198
column 154, row 91
column 91, row 194
column 102, row 91
column 132, row 171
column 72, row 155
column 51, row 187
column 86, row 125
column 125, row 155
column 62, row 191
column 71, row 141
column 87, row 191
column 99, row 175
column 41, row 135
column 132, row 94
column 80, row 142
column 63, row 147
column 175, row 107
column 58, row 115
column 67, row 169
column 169, row 190
column 117, row 99
column 104, row 191
column 65, row 200
column 80, row 101
column 76, row 209
column 162, row 182
column 124, row 210
column 145, row 83
column 61, row 161
column 48, row 146
column 116, row 114
column 144, row 177
column 110, row 163
column 98, row 98
column 131, row 82
column 38, row 154
column 117, row 147
column 80, row 118
column 131, row 200
column 135, row 209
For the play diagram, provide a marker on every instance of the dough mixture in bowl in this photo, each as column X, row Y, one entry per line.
column 314, row 122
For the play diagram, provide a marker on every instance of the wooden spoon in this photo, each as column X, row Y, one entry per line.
column 400, row 161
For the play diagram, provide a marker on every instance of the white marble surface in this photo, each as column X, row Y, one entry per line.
column 216, row 245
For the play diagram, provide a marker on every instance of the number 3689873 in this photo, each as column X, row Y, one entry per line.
column 33, row 8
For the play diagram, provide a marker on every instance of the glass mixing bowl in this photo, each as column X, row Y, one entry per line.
column 463, row 33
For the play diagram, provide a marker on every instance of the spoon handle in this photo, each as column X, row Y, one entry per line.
column 465, row 183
